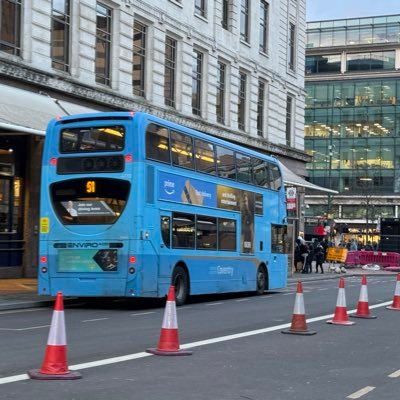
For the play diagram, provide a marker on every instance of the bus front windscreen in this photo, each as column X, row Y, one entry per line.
column 91, row 201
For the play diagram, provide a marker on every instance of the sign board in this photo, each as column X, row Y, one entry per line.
column 336, row 254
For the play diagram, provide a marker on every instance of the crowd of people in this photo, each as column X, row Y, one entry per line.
column 305, row 253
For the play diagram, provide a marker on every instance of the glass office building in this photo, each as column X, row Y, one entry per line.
column 352, row 121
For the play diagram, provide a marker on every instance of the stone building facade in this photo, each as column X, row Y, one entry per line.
column 233, row 69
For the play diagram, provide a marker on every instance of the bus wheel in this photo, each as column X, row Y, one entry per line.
column 180, row 280
column 261, row 280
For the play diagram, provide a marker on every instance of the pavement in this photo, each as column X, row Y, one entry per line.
column 22, row 293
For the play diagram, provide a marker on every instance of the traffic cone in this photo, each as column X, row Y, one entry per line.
column 299, row 324
column 396, row 299
column 363, row 307
column 340, row 317
column 168, row 344
column 55, row 364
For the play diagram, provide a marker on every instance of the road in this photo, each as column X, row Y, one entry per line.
column 238, row 349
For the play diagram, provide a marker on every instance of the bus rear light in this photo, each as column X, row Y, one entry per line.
column 44, row 270
column 132, row 270
column 132, row 260
column 128, row 158
column 53, row 162
column 131, row 113
column 43, row 259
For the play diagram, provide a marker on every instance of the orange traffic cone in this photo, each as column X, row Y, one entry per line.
column 55, row 364
column 299, row 324
column 168, row 344
column 396, row 299
column 363, row 307
column 340, row 317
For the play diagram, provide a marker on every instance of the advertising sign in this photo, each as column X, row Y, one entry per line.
column 87, row 260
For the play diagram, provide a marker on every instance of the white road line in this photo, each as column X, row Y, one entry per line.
column 94, row 320
column 213, row 304
column 240, row 300
column 395, row 374
column 128, row 357
column 361, row 392
column 25, row 329
column 142, row 313
column 324, row 289
column 23, row 310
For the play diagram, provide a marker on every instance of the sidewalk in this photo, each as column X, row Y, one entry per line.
column 22, row 293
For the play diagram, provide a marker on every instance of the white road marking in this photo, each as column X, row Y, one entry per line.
column 395, row 374
column 128, row 357
column 22, row 311
column 94, row 320
column 361, row 392
column 240, row 300
column 213, row 304
column 143, row 313
column 25, row 329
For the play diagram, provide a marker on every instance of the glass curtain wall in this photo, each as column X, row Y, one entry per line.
column 359, row 123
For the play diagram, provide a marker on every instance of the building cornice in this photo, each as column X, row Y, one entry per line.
column 105, row 98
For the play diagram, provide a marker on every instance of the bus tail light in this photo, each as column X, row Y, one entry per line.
column 132, row 260
column 43, row 259
column 53, row 161
column 128, row 158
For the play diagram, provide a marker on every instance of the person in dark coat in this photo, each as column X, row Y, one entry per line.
column 319, row 258
column 309, row 259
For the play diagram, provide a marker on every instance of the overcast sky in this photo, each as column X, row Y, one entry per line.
column 336, row 9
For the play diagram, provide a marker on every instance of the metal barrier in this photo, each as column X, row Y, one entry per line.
column 384, row 259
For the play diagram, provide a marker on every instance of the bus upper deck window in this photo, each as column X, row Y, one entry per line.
column 92, row 139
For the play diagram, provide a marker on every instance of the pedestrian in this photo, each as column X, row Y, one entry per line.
column 309, row 259
column 304, row 255
column 353, row 245
column 320, row 259
column 298, row 259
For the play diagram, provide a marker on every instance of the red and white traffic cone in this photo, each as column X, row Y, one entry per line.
column 55, row 364
column 168, row 344
column 396, row 299
column 340, row 317
column 299, row 324
column 363, row 307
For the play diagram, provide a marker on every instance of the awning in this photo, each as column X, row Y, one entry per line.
column 29, row 112
column 290, row 178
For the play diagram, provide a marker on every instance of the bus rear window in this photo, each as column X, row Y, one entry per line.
column 92, row 139
column 89, row 201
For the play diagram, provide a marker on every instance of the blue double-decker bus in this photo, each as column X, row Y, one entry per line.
column 131, row 203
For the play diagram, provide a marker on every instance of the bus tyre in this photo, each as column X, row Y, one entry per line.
column 261, row 280
column 180, row 280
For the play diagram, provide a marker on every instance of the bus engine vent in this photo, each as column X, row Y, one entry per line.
column 77, row 165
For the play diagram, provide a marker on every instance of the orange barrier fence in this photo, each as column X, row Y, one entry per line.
column 384, row 259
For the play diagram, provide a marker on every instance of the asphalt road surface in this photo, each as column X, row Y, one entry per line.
column 238, row 349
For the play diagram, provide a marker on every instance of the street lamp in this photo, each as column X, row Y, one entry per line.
column 330, row 149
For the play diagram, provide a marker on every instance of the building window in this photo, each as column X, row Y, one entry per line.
column 139, row 58
column 225, row 14
column 373, row 61
column 292, row 46
column 200, row 7
column 221, row 87
column 60, row 25
column 323, row 64
column 289, row 119
column 264, row 26
column 169, row 71
column 244, row 20
column 242, row 101
column 103, row 44
column 260, row 108
column 197, row 78
column 10, row 26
